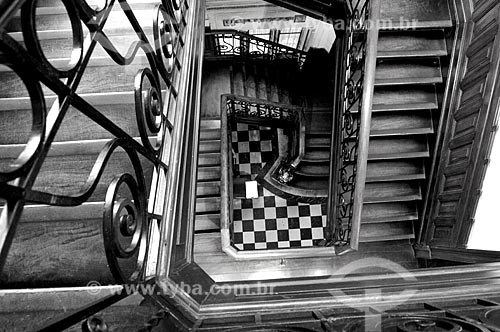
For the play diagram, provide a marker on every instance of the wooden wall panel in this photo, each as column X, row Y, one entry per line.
column 461, row 166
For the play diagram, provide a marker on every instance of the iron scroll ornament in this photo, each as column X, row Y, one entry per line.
column 34, row 68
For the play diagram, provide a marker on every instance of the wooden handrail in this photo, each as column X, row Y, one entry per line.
column 365, row 121
column 184, row 148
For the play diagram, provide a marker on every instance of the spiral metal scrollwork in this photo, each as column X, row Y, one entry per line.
column 165, row 39
column 124, row 221
column 34, row 144
column 28, row 17
column 348, row 145
column 148, row 106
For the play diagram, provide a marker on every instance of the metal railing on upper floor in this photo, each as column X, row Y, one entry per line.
column 238, row 43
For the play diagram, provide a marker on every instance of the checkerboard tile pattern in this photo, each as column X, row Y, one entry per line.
column 269, row 221
column 252, row 148
column 272, row 222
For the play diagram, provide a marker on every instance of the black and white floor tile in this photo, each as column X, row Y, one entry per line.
column 272, row 222
column 269, row 221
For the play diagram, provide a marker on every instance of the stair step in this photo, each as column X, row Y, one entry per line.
column 401, row 123
column 207, row 222
column 408, row 14
column 237, row 80
column 381, row 192
column 395, row 170
column 207, row 205
column 210, row 124
column 312, row 156
column 51, row 20
column 387, row 231
column 401, row 107
column 251, row 80
column 404, row 97
column 209, row 134
column 15, row 124
column 318, row 121
column 68, row 165
column 416, row 43
column 209, row 159
column 398, row 147
column 95, row 79
column 401, row 132
column 313, row 170
column 215, row 82
column 388, row 212
column 209, row 146
column 319, row 185
column 209, row 188
column 408, row 71
column 209, row 173
column 273, row 93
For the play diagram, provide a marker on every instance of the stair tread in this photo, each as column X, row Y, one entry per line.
column 407, row 106
column 209, row 159
column 387, row 237
column 401, row 132
column 208, row 205
column 407, row 80
column 387, row 231
column 209, row 173
column 416, row 43
column 398, row 155
column 395, row 198
column 207, row 222
column 209, row 146
column 208, row 188
column 388, row 178
column 420, row 13
column 408, row 71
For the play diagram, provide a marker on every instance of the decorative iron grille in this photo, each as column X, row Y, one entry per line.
column 349, row 132
column 155, row 62
column 253, row 108
column 232, row 42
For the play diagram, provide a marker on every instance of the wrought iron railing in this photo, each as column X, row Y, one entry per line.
column 163, row 92
column 349, row 154
column 237, row 43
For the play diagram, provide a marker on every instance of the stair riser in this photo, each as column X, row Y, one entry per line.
column 412, row 43
column 15, row 126
column 66, row 174
column 391, row 191
column 96, row 79
column 43, row 255
column 393, row 170
column 386, row 212
column 206, row 205
column 60, row 20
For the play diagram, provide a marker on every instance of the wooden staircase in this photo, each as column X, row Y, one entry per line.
column 408, row 89
column 254, row 79
column 409, row 84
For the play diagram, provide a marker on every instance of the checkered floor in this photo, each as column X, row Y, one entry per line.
column 253, row 146
column 272, row 222
column 269, row 221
